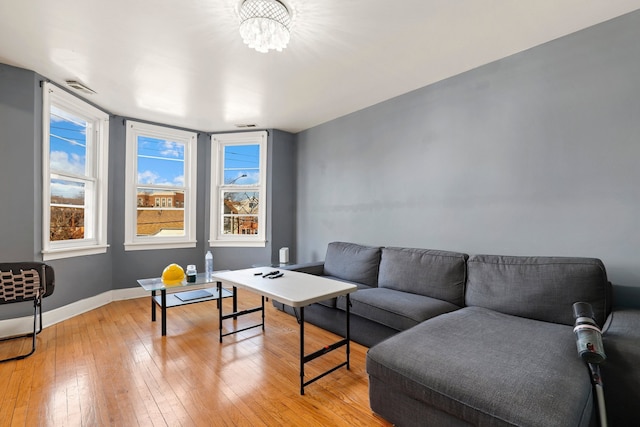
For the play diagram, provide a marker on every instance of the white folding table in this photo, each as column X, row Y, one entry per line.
column 294, row 289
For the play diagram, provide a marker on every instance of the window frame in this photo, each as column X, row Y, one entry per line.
column 132, row 241
column 216, row 237
column 97, row 172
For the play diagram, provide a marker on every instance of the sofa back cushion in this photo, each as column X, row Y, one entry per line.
column 353, row 262
column 541, row 288
column 432, row 273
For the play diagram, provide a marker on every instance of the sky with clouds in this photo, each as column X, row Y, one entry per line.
column 160, row 162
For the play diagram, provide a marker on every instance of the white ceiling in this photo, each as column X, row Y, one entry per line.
column 182, row 62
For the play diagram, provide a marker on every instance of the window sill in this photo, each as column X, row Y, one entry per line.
column 52, row 254
column 237, row 243
column 147, row 246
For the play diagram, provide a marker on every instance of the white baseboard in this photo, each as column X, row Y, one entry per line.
column 23, row 325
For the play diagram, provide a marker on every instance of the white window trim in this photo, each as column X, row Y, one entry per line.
column 100, row 159
column 132, row 241
column 218, row 142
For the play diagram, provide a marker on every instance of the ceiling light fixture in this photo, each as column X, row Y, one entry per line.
column 264, row 25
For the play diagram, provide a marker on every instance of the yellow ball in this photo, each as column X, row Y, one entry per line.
column 173, row 274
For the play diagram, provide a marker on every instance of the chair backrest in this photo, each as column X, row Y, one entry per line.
column 24, row 281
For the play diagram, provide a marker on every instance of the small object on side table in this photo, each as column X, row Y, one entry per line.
column 191, row 273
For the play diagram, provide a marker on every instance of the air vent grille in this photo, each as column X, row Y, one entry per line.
column 79, row 86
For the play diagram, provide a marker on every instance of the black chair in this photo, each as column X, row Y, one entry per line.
column 26, row 281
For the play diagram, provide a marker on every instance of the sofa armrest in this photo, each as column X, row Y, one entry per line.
column 621, row 378
column 315, row 268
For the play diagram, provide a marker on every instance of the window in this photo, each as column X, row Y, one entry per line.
column 161, row 175
column 75, row 176
column 238, row 189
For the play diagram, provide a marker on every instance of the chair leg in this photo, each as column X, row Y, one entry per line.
column 37, row 303
column 39, row 309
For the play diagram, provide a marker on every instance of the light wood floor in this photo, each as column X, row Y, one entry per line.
column 112, row 367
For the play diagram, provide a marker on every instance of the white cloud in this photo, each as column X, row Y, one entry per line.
column 150, row 177
column 61, row 161
column 64, row 189
column 252, row 178
column 173, row 149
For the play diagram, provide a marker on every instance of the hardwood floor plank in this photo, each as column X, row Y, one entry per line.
column 111, row 366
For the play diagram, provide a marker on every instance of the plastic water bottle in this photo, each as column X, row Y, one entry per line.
column 208, row 265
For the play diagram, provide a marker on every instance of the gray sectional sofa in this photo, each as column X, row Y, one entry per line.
column 476, row 340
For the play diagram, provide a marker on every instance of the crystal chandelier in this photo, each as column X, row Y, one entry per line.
column 264, row 25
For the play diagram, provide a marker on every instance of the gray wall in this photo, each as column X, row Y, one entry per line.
column 282, row 198
column 21, row 210
column 19, row 142
column 535, row 154
column 87, row 276
column 18, row 156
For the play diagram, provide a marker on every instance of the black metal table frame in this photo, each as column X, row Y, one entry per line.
column 324, row 350
column 163, row 304
column 304, row 358
column 237, row 313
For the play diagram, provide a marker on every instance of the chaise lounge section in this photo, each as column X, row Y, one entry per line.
column 507, row 358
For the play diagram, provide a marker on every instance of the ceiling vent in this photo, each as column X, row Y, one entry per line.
column 79, row 86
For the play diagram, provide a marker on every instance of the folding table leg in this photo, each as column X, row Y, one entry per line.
column 163, row 298
column 301, row 321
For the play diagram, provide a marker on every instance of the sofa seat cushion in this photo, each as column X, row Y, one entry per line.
column 331, row 303
column 428, row 272
column 353, row 262
column 485, row 368
column 395, row 309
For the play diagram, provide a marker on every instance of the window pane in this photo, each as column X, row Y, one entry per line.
column 241, row 202
column 242, row 164
column 240, row 225
column 67, row 192
column 160, row 213
column 241, row 210
column 67, row 213
column 160, row 162
column 67, row 142
column 66, row 223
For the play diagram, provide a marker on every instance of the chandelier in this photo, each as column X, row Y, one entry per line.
column 264, row 25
